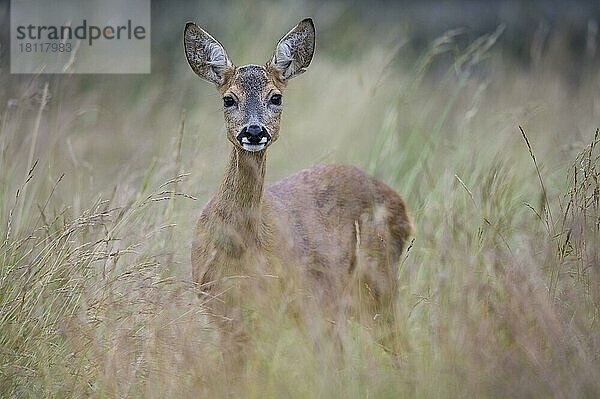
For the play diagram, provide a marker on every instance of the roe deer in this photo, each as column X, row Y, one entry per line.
column 322, row 221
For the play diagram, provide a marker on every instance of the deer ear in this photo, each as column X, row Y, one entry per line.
column 205, row 54
column 294, row 51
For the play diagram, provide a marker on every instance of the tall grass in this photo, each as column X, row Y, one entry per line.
column 101, row 180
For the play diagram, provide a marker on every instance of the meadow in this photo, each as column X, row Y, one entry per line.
column 102, row 178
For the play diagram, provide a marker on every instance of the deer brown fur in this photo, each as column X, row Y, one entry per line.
column 322, row 222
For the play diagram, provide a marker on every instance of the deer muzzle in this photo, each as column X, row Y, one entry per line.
column 253, row 138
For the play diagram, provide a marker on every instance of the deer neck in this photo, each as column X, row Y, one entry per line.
column 241, row 191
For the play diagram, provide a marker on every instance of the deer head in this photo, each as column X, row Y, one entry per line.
column 252, row 94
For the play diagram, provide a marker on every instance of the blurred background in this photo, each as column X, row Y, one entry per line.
column 374, row 46
column 369, row 47
column 499, row 290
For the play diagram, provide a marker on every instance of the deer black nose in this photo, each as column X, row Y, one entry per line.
column 254, row 130
column 254, row 135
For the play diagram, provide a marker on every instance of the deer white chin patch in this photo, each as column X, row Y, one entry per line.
column 253, row 147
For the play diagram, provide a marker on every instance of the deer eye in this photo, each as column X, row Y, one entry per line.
column 275, row 99
column 228, row 101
